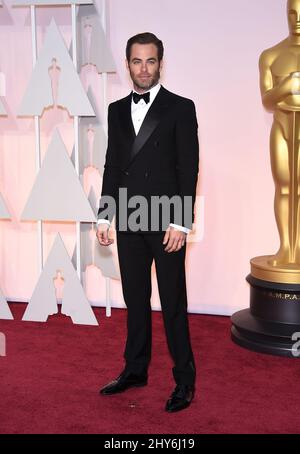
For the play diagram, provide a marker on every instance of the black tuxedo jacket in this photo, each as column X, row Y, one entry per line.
column 161, row 160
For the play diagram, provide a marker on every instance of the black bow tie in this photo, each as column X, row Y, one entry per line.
column 145, row 96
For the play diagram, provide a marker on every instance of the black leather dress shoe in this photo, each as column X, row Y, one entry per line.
column 124, row 382
column 181, row 398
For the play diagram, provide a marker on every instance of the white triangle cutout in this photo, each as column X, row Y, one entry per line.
column 2, row 108
column 74, row 302
column 5, row 312
column 57, row 194
column 64, row 89
column 93, row 46
column 4, row 214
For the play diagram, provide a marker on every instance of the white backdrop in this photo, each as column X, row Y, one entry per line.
column 211, row 56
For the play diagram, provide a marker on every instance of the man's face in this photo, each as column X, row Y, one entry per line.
column 144, row 67
column 293, row 8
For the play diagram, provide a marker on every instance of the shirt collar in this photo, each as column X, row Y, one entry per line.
column 153, row 92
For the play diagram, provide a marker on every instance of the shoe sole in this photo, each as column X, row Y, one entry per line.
column 140, row 385
column 178, row 409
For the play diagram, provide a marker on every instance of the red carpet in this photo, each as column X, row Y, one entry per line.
column 50, row 378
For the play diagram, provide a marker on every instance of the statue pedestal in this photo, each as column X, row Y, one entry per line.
column 271, row 323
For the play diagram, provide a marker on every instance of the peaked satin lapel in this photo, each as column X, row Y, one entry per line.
column 150, row 123
column 126, row 119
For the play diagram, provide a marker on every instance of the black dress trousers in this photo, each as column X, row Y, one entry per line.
column 136, row 252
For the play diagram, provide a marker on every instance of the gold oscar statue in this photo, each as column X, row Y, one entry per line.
column 280, row 90
column 273, row 319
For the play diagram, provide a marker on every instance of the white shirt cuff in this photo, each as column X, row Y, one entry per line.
column 103, row 221
column 181, row 228
column 177, row 227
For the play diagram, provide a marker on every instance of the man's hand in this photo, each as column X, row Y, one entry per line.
column 102, row 235
column 174, row 239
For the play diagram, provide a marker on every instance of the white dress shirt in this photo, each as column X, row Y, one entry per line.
column 140, row 110
column 138, row 114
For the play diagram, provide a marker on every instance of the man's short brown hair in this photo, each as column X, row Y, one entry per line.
column 145, row 38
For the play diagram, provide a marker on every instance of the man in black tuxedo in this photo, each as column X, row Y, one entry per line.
column 153, row 151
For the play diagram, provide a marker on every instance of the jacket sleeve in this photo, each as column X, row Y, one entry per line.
column 187, row 157
column 111, row 176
